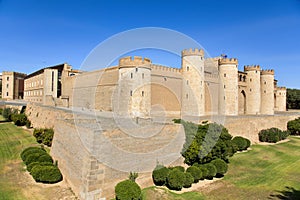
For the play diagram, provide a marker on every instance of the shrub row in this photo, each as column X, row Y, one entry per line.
column 40, row 165
column 272, row 135
column 175, row 178
column 44, row 136
column 12, row 115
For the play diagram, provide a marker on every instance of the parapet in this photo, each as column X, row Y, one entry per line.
column 281, row 88
column 223, row 61
column 267, row 72
column 165, row 68
column 251, row 68
column 134, row 62
column 192, row 52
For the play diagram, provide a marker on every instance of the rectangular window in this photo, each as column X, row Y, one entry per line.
column 7, row 85
column 130, row 92
column 224, row 75
column 143, row 93
column 52, row 85
column 6, row 93
column 7, row 78
column 143, row 75
column 131, row 75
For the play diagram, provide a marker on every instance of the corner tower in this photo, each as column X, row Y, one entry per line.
column 134, row 89
column 193, row 90
column 253, row 89
column 228, row 98
column 280, row 99
column 267, row 92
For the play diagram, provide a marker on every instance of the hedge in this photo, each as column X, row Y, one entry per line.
column 46, row 174
column 33, row 157
column 175, row 180
column 196, row 173
column 30, row 151
column 45, row 158
column 221, row 167
column 128, row 190
column 272, row 135
column 44, row 136
column 33, row 164
column 160, row 174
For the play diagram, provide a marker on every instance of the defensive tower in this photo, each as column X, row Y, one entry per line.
column 228, row 99
column 193, row 90
column 253, row 90
column 267, row 92
column 134, row 89
column 280, row 99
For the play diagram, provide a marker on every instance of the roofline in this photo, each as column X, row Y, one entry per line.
column 41, row 70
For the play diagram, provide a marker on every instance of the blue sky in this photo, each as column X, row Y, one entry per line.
column 39, row 33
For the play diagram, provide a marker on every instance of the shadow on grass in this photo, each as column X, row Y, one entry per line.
column 287, row 194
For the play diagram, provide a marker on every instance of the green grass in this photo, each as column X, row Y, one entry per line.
column 12, row 140
column 151, row 193
column 265, row 172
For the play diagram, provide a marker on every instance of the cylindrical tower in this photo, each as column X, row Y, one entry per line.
column 280, row 99
column 134, row 90
column 193, row 90
column 267, row 92
column 228, row 97
column 253, row 89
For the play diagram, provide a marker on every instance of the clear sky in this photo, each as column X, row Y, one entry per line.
column 39, row 33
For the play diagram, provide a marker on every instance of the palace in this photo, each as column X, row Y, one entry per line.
column 138, row 88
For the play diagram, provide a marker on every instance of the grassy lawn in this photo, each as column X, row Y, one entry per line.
column 12, row 141
column 265, row 172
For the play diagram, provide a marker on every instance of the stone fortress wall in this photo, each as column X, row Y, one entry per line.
column 202, row 86
column 88, row 163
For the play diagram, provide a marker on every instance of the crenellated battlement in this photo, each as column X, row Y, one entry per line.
column 165, row 68
column 223, row 61
column 267, row 72
column 134, row 61
column 252, row 68
column 281, row 88
column 192, row 52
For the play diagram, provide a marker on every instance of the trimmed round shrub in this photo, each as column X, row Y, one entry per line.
column 180, row 168
column 128, row 190
column 46, row 174
column 221, row 166
column 203, row 170
column 31, row 150
column 33, row 164
column 240, row 142
column 293, row 126
column 159, row 175
column 189, row 180
column 175, row 180
column 33, row 158
column 45, row 158
column 196, row 173
column 212, row 171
